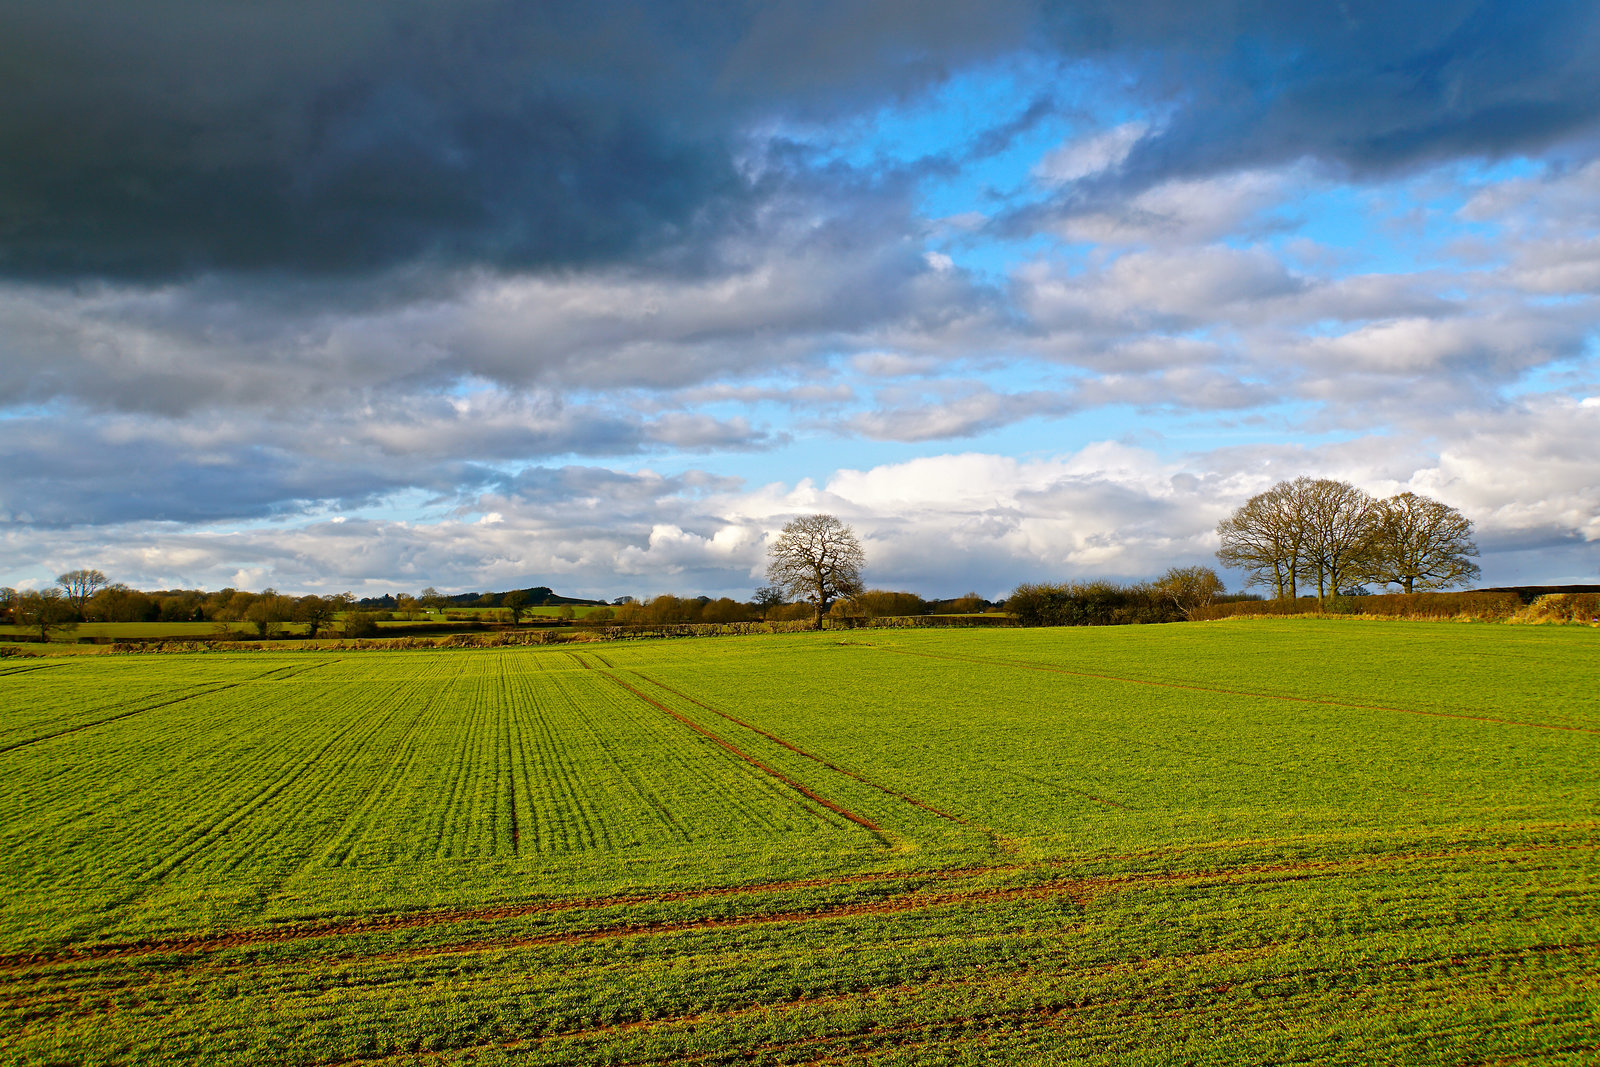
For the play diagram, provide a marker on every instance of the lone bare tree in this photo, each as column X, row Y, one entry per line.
column 817, row 559
column 80, row 585
column 1421, row 544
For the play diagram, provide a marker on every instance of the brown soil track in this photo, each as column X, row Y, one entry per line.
column 910, row 902
column 859, row 820
column 698, row 1018
column 895, row 906
column 1541, row 1054
column 1054, row 1013
column 1081, row 890
column 381, row 924
column 808, row 755
column 1233, row 692
column 984, row 1021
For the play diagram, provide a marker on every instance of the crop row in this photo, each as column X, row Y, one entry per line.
column 1360, row 953
column 305, row 785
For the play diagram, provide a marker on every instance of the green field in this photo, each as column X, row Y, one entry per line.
column 1261, row 841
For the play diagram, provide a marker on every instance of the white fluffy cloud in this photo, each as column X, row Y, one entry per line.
column 938, row 524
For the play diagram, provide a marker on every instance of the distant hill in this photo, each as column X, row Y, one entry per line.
column 540, row 596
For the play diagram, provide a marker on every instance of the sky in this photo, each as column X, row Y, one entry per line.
column 373, row 295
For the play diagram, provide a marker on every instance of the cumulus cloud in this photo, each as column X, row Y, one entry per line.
column 803, row 284
column 1174, row 212
column 1094, row 154
column 73, row 467
column 939, row 524
column 955, row 409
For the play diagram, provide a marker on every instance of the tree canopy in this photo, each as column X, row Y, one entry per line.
column 816, row 558
column 1421, row 544
column 1331, row 534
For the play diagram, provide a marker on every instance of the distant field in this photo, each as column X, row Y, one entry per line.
column 134, row 629
column 578, row 611
column 1261, row 841
column 199, row 630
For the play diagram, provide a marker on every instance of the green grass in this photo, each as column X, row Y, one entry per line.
column 1257, row 841
column 176, row 630
column 543, row 611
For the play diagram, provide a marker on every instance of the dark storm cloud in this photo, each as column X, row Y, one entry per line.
column 177, row 136
column 1367, row 84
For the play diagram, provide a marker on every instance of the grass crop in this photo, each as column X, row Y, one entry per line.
column 1252, row 841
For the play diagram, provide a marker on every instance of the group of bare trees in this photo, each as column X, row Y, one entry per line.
column 1330, row 534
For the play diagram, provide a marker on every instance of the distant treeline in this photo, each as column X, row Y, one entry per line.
column 1178, row 595
column 871, row 604
column 89, row 596
column 1578, row 604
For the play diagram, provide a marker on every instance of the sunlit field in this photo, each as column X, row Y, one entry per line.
column 1256, row 841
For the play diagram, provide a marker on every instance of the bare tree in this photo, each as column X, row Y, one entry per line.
column 1339, row 522
column 80, row 585
column 1266, row 538
column 817, row 559
column 1419, row 543
column 767, row 598
column 1319, row 531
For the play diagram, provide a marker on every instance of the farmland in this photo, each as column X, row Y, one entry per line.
column 1246, row 842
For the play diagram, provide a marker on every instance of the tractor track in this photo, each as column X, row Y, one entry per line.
column 163, row 704
column 1082, row 889
column 830, row 1046
column 813, row 796
column 775, row 739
